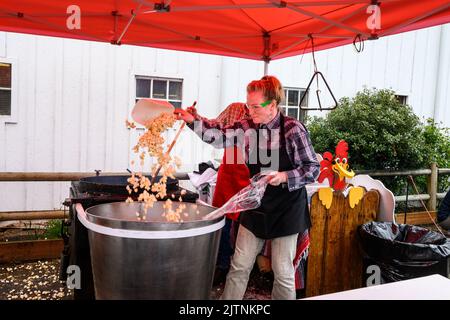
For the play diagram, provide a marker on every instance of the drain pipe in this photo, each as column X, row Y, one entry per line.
column 439, row 73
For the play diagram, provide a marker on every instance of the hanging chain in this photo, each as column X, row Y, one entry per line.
column 314, row 61
column 304, row 49
column 313, row 53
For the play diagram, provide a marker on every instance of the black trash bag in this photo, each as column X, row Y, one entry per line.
column 404, row 251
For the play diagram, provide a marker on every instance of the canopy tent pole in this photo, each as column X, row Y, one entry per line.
column 266, row 67
column 267, row 52
column 133, row 15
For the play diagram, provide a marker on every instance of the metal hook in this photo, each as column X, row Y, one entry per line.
column 358, row 40
column 317, row 74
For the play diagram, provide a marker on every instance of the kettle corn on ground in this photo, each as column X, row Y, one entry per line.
column 40, row 281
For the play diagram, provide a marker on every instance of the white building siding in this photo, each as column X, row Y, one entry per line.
column 73, row 97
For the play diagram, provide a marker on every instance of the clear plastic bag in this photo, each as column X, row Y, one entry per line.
column 247, row 199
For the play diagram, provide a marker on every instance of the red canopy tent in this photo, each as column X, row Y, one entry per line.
column 253, row 29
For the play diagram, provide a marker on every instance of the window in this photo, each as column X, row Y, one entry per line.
column 160, row 88
column 5, row 89
column 402, row 99
column 290, row 105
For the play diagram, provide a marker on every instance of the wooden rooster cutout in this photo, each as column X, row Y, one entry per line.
column 336, row 169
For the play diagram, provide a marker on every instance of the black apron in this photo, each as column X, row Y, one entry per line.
column 281, row 213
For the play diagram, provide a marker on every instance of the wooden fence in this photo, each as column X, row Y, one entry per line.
column 431, row 197
column 432, row 194
column 26, row 250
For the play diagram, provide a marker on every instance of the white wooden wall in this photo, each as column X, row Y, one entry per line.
column 415, row 64
column 72, row 97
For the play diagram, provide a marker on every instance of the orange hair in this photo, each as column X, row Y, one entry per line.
column 270, row 86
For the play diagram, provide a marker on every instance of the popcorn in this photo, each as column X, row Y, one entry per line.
column 151, row 143
column 130, row 124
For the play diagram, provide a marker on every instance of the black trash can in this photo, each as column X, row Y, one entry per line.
column 403, row 251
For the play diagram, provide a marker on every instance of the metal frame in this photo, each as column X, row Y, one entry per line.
column 326, row 20
column 306, row 38
column 133, row 15
column 271, row 4
column 34, row 19
column 164, row 6
column 415, row 19
column 316, row 74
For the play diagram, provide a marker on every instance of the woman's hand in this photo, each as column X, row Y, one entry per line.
column 278, row 178
column 184, row 115
column 192, row 110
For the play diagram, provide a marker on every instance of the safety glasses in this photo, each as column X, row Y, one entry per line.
column 262, row 105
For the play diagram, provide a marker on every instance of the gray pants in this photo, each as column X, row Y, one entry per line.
column 247, row 248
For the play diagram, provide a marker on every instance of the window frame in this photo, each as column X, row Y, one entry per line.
column 168, row 81
column 11, row 118
column 139, row 74
column 285, row 107
column 402, row 97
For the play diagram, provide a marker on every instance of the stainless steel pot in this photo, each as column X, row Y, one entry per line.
column 151, row 259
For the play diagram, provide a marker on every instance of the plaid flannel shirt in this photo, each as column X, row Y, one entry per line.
column 236, row 111
column 298, row 144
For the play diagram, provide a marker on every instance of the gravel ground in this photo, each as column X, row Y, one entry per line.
column 32, row 281
column 40, row 281
column 259, row 287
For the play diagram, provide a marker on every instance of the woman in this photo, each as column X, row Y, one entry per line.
column 283, row 146
column 233, row 175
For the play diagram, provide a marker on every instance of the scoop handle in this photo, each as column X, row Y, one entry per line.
column 168, row 151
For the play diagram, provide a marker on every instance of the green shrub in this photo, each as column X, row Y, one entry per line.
column 436, row 148
column 52, row 230
column 383, row 134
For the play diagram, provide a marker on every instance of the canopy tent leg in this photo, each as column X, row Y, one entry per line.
column 266, row 67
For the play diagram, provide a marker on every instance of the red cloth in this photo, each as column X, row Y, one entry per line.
column 232, row 177
column 233, row 113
